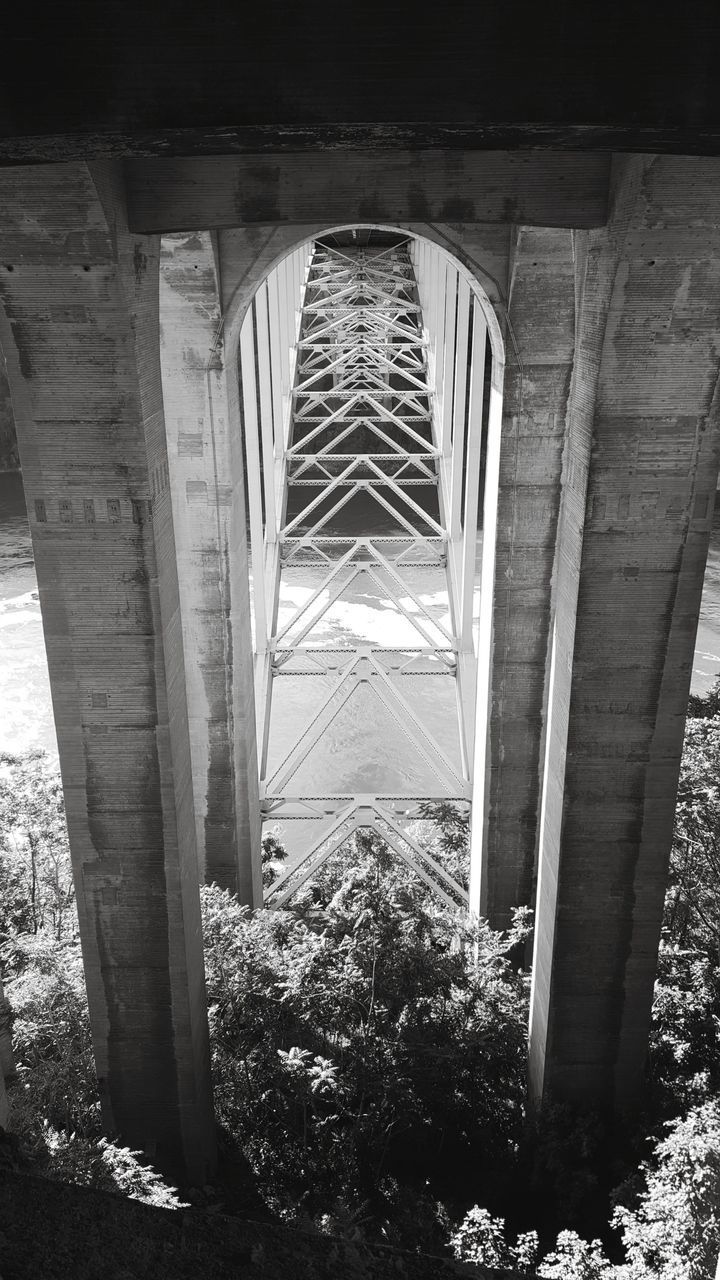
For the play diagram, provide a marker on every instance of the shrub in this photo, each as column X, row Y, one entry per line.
column 36, row 884
column 673, row 1232
column 362, row 1040
column 106, row 1167
column 482, row 1239
column 575, row 1259
column 56, row 1079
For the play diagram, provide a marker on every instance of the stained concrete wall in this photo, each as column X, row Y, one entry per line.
column 79, row 332
column 206, row 487
column 540, row 188
column 539, row 324
column 630, row 561
column 9, row 457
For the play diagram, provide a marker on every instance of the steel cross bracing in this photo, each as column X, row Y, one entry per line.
column 363, row 421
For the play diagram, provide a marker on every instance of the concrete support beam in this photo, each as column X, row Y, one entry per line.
column 540, row 339
column 79, row 333
column 538, row 188
column 206, row 483
column 645, row 419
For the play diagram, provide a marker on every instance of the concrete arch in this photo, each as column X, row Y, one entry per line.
column 455, row 243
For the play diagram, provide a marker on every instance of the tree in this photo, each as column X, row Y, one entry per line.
column 482, row 1239
column 105, row 1166
column 36, row 884
column 56, row 1082
column 358, row 1047
column 705, row 705
column 673, row 1232
column 691, row 916
column 272, row 851
column 685, row 1034
column 576, row 1259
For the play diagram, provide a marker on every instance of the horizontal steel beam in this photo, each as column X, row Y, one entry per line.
column 535, row 188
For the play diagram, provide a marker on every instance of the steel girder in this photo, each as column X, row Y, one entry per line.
column 362, row 420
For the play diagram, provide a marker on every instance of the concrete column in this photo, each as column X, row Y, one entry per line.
column 207, row 486
column 79, row 332
column 646, row 387
column 539, row 361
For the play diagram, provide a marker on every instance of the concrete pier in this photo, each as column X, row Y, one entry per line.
column 79, row 333
column 206, row 486
column 629, row 573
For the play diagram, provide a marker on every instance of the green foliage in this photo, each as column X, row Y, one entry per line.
column 272, row 851
column 54, row 1097
column 369, row 1046
column 673, row 1233
column 685, row 1035
column 575, row 1259
column 705, row 705
column 56, row 1081
column 36, row 885
column 361, row 1039
column 443, row 830
column 106, row 1167
column 685, row 1032
column 482, row 1239
column 692, row 920
column 448, row 837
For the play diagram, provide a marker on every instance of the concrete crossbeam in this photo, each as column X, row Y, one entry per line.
column 537, row 188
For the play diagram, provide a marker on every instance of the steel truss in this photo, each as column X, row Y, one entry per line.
column 361, row 416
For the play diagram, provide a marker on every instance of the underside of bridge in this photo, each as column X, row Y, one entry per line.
column 174, row 341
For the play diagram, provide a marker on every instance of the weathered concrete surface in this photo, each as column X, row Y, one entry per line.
column 9, row 457
column 540, row 337
column 595, row 270
column 79, row 332
column 543, row 188
column 248, row 254
column 649, row 358
column 206, row 485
